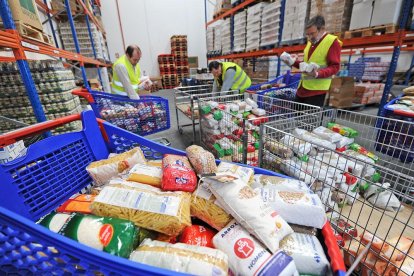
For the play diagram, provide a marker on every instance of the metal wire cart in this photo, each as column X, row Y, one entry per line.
column 362, row 168
column 229, row 125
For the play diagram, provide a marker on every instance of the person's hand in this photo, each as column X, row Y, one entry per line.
column 147, row 86
column 313, row 73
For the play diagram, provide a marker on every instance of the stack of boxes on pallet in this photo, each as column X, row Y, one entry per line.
column 269, row 34
column 257, row 69
column 168, row 71
column 295, row 17
column 239, row 33
column 54, row 85
column 179, row 50
column 221, row 7
column 254, row 20
column 368, row 93
column 84, row 40
column 337, row 14
column 375, row 70
column 210, row 40
column 225, row 32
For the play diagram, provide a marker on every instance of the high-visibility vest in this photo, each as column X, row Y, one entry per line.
column 134, row 76
column 319, row 57
column 241, row 79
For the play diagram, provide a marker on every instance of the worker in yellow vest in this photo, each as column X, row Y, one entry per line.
column 228, row 76
column 127, row 78
column 323, row 54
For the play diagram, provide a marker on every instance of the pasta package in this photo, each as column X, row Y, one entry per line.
column 115, row 236
column 142, row 173
column 178, row 174
column 314, row 139
column 181, row 257
column 307, row 252
column 279, row 183
column 102, row 171
column 278, row 148
column 343, row 130
column 247, row 256
column 249, row 209
column 296, row 207
column 147, row 207
column 298, row 146
column 203, row 161
column 204, row 207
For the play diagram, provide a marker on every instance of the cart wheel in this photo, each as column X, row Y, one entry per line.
column 181, row 131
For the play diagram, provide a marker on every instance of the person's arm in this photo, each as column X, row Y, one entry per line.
column 124, row 79
column 228, row 79
column 333, row 61
column 296, row 63
column 215, row 88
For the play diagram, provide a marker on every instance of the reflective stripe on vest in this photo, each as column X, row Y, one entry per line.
column 134, row 75
column 241, row 79
column 319, row 57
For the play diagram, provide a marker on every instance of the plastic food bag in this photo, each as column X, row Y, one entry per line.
column 296, row 207
column 380, row 196
column 78, row 203
column 259, row 112
column 278, row 148
column 279, row 183
column 181, row 257
column 307, row 252
column 203, row 161
column 178, row 175
column 327, row 134
column 343, row 130
column 142, row 173
column 360, row 149
column 247, row 256
column 198, row 235
column 146, row 206
column 115, row 236
column 248, row 208
column 204, row 207
column 345, row 141
column 102, row 171
column 294, row 168
column 298, row 146
column 252, row 103
column 313, row 138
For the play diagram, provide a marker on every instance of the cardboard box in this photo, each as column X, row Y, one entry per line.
column 25, row 12
column 193, row 62
column 341, row 92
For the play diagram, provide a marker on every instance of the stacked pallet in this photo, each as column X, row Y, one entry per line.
column 254, row 19
column 375, row 71
column 210, row 39
column 225, row 31
column 296, row 14
column 179, row 50
column 221, row 7
column 368, row 93
column 337, row 14
column 269, row 33
column 217, row 37
column 168, row 70
column 239, row 33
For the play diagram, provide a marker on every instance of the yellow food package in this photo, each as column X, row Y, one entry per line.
column 142, row 173
column 155, row 163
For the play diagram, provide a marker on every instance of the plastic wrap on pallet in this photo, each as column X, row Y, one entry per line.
column 269, row 33
column 254, row 17
column 225, row 33
column 239, row 33
column 337, row 13
column 296, row 14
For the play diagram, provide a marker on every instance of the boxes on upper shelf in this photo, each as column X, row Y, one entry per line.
column 337, row 14
column 254, row 18
column 296, row 14
column 239, row 31
column 25, row 13
column 269, row 33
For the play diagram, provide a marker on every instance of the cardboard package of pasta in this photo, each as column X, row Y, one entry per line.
column 146, row 206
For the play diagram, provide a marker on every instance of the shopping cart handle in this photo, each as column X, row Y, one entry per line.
column 16, row 135
column 83, row 92
column 404, row 113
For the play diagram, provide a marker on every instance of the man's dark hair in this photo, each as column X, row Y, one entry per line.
column 317, row 21
column 130, row 50
column 213, row 65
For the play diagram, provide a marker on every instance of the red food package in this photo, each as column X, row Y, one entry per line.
column 177, row 174
column 80, row 204
column 198, row 235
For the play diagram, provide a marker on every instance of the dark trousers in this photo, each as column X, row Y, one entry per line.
column 318, row 100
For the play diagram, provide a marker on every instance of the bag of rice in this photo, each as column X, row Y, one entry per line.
column 307, row 252
column 296, row 207
column 247, row 256
column 204, row 207
column 177, row 174
column 203, row 161
column 279, row 183
column 115, row 236
column 146, row 206
column 327, row 134
column 181, row 257
column 248, row 208
column 103, row 170
column 142, row 173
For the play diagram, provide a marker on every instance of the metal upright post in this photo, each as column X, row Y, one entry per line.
column 281, row 23
column 408, row 76
column 75, row 39
column 23, row 66
column 405, row 11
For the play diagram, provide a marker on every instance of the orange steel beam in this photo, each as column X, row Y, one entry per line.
column 231, row 11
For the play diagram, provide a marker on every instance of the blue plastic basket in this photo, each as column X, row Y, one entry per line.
column 148, row 115
column 287, row 79
column 54, row 169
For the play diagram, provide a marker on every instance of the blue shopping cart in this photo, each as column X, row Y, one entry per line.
column 54, row 169
column 148, row 115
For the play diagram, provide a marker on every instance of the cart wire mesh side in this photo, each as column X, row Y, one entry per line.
column 52, row 171
column 148, row 115
column 367, row 186
column 232, row 133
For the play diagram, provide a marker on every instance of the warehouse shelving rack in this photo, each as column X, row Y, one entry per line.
column 10, row 38
column 402, row 40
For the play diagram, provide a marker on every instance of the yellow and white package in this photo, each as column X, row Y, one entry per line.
column 204, row 207
column 279, row 183
column 249, row 209
column 296, row 207
column 147, row 207
column 228, row 172
column 181, row 257
column 143, row 173
column 155, row 163
column 103, row 170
